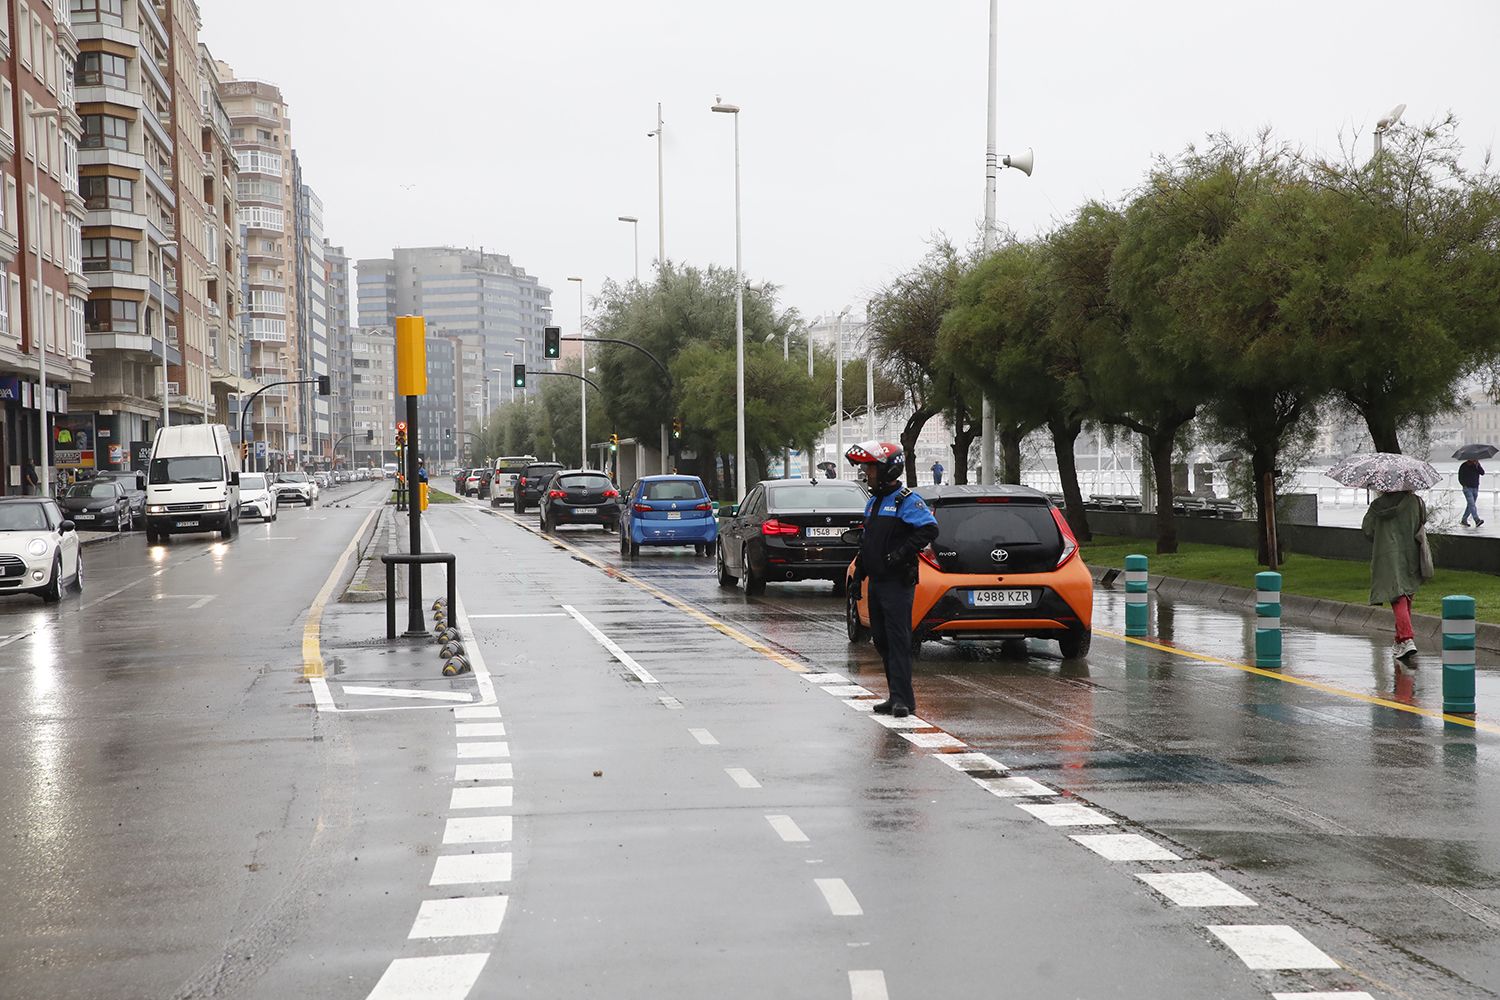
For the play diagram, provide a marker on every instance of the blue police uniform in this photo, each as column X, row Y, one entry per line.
column 898, row 525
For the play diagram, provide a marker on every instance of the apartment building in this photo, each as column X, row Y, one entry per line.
column 313, row 343
column 372, row 381
column 222, row 281
column 42, row 287
column 340, row 343
column 375, row 285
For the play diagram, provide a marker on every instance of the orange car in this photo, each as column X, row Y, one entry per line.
column 1005, row 566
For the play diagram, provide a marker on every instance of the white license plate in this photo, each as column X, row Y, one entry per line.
column 585, row 510
column 83, row 517
column 187, row 524
column 999, row 598
column 674, row 515
column 824, row 532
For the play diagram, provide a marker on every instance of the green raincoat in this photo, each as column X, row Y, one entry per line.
column 1391, row 523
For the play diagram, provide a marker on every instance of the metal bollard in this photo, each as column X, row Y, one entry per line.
column 1458, row 655
column 1268, row 619
column 1136, row 587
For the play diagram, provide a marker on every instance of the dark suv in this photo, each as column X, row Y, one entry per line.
column 531, row 482
column 580, row 496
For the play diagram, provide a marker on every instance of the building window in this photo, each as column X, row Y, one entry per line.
column 101, row 69
column 112, row 316
column 4, row 303
column 76, row 336
column 99, row 11
column 108, row 255
column 105, row 132
column 101, row 194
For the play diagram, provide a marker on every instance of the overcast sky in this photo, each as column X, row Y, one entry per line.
column 521, row 126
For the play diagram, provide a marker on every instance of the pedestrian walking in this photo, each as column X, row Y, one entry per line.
column 30, row 484
column 937, row 473
column 897, row 526
column 1394, row 523
column 1468, row 478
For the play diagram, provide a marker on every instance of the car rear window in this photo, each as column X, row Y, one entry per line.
column 839, row 497
column 673, row 490
column 591, row 482
column 971, row 536
column 540, row 471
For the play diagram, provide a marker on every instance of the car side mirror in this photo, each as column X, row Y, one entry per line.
column 853, row 536
column 734, row 510
column 234, row 479
column 66, row 527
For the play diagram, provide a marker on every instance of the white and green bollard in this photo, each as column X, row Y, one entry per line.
column 1458, row 655
column 1137, row 589
column 1268, row 619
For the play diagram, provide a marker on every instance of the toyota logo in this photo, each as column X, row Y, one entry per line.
column 999, row 555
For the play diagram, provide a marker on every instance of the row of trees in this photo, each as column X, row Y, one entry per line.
column 1243, row 287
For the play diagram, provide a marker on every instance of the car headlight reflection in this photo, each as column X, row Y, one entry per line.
column 37, row 547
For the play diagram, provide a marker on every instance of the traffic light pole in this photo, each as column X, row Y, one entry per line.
column 415, row 620
column 320, row 381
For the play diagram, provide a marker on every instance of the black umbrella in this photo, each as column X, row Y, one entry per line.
column 1477, row 451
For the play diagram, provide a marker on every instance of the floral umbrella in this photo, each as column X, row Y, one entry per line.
column 1384, row 472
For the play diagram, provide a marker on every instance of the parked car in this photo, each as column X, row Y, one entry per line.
column 193, row 482
column 460, row 476
column 1005, row 566
column 257, row 498
column 133, row 482
column 530, row 483
column 99, row 504
column 790, row 529
column 323, row 480
column 504, row 475
column 668, row 510
column 580, row 496
column 39, row 549
column 477, row 484
column 295, row 487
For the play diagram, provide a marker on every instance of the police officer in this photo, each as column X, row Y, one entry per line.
column 898, row 525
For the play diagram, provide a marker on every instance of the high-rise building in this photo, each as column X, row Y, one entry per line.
column 376, row 287
column 315, row 419
column 372, row 381
column 42, row 287
column 226, row 374
column 340, row 341
column 260, row 131
column 437, row 411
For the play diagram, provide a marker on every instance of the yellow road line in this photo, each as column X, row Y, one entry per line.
column 1457, row 720
column 312, row 629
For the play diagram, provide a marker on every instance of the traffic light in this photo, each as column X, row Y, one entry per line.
column 448, row 432
column 677, row 427
column 401, row 434
column 552, row 342
column 325, row 385
column 369, row 435
column 518, row 376
column 614, row 442
column 244, row 451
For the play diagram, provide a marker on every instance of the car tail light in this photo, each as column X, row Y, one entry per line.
column 775, row 527
column 927, row 556
column 705, row 505
column 521, row 481
column 611, row 493
column 641, row 508
column 1070, row 544
column 556, row 495
column 994, row 499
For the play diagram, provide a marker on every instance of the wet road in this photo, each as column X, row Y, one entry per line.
column 655, row 787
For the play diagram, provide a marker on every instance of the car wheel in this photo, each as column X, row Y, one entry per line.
column 852, row 625
column 52, row 593
column 153, row 537
column 624, row 545
column 635, row 548
column 547, row 525
column 699, row 549
column 78, row 575
column 840, row 585
column 755, row 585
column 726, row 579
column 1076, row 643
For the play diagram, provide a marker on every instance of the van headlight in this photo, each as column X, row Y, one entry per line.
column 216, row 505
column 37, row 547
column 156, row 508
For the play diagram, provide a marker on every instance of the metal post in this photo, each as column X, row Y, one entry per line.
column 739, row 328
column 166, row 397
column 991, row 166
column 39, row 327
column 661, row 205
column 838, row 386
column 1268, row 620
column 869, row 384
column 1458, row 654
column 1137, row 586
column 415, row 622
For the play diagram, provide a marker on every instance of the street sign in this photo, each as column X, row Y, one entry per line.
column 260, row 449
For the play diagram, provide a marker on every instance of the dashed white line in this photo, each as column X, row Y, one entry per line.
column 469, row 869
column 483, row 772
column 704, row 737
column 1195, row 889
column 932, row 741
column 477, row 712
column 609, row 644
column 867, row 984
column 787, row 829
column 440, row 918
column 970, row 761
column 840, row 900
column 500, row 749
column 1271, row 946
column 390, row 692
column 481, row 797
column 742, row 777
column 1345, row 995
column 669, row 702
column 445, row 977
column 847, row 690
column 1066, row 814
column 1124, row 847
column 470, row 730
column 861, row 704
column 1013, row 788
column 825, row 678
column 909, row 722
column 478, row 830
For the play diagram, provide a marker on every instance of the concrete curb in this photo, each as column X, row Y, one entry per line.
column 359, row 590
column 1308, row 610
column 100, row 537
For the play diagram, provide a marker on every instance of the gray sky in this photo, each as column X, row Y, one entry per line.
column 522, row 125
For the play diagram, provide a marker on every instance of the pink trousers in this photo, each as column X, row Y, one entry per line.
column 1402, row 608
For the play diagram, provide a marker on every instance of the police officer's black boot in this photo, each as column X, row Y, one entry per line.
column 886, row 707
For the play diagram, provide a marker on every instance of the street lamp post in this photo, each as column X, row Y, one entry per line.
column 739, row 310
column 583, row 399
column 500, row 372
column 38, row 321
column 1384, row 125
column 161, row 271
column 838, row 382
column 661, row 206
column 635, row 232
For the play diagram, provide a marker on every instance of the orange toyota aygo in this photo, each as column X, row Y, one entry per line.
column 1005, row 566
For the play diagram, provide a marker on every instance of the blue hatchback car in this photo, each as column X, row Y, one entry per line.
column 668, row 510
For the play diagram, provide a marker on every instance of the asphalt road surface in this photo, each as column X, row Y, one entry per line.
column 219, row 782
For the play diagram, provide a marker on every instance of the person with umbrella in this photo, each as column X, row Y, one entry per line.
column 1468, row 479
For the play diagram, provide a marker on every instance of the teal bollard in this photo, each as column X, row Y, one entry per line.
column 1458, row 655
column 1137, row 585
column 1268, row 620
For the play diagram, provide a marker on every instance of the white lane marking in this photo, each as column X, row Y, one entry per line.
column 468, row 869
column 742, row 777
column 482, row 797
column 787, row 830
column 467, row 730
column 669, row 702
column 447, row 977
column 910, row 722
column 933, row 741
column 201, row 602
column 494, row 749
column 440, row 918
column 840, row 899
column 1345, row 995
column 527, row 614
column 847, row 691
column 483, row 772
column 478, row 830
column 1066, row 814
column 1195, row 889
column 1271, row 946
column 312, row 630
column 825, row 678
column 477, row 712
column 610, row 645
column 704, row 737
column 867, row 984
column 385, row 692
column 481, row 670
column 861, row 704
column 1124, row 847
column 1013, row 788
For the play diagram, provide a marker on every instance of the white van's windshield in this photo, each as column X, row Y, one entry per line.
column 188, row 469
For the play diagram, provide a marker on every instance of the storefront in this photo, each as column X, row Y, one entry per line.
column 18, row 426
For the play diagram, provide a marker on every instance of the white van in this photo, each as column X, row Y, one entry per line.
column 193, row 482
